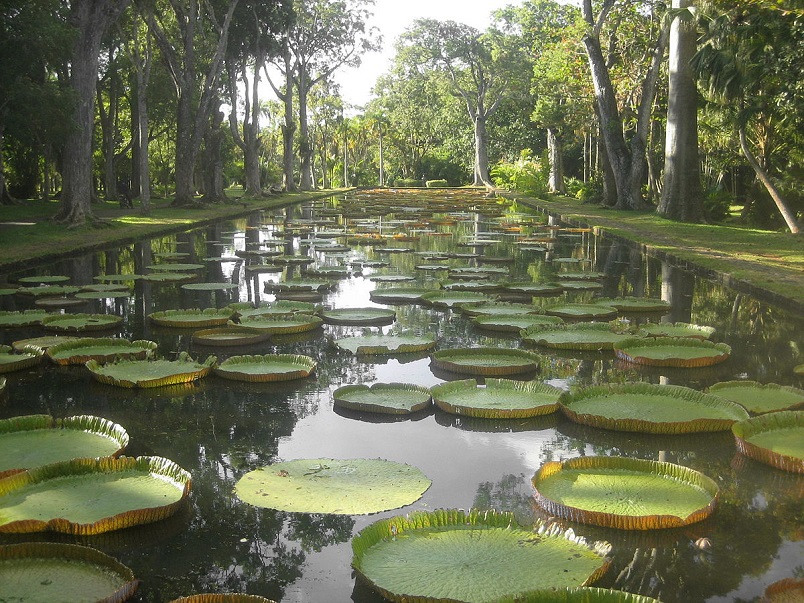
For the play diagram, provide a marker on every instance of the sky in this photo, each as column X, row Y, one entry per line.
column 392, row 17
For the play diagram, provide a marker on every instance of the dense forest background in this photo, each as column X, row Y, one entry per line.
column 689, row 108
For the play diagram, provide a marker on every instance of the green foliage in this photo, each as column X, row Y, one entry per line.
column 435, row 183
column 717, row 202
column 525, row 175
column 407, row 182
column 588, row 192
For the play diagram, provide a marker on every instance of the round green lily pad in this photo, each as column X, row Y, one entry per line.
column 222, row 598
column 776, row 439
column 175, row 267
column 337, row 486
column 514, row 323
column 102, row 350
column 635, row 304
column 35, row 440
column 672, row 351
column 676, row 329
column 451, row 299
column 592, row 336
column 192, row 318
column 91, row 496
column 59, row 303
column 300, row 285
column 579, row 276
column 296, row 260
column 475, row 556
column 4, row 291
column 584, row 285
column 270, row 367
column 44, row 572
column 231, row 335
column 281, row 307
column 758, row 398
column 25, row 318
column 41, row 280
column 210, row 286
column 169, row 277
column 43, row 342
column 385, row 344
column 359, row 316
column 116, row 278
column 497, row 398
column 48, row 290
column 101, row 294
column 500, row 309
column 281, row 325
column 81, row 322
column 391, row 278
column 386, row 398
column 491, row 362
column 648, row 408
column 151, row 373
column 534, row 289
column 398, row 295
column 26, row 358
column 625, row 493
column 582, row 311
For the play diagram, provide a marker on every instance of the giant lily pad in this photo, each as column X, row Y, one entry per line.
column 635, row 304
column 398, row 295
column 534, row 289
column 391, row 278
column 676, row 329
column 492, row 362
column 192, row 318
column 102, row 350
column 385, row 344
column 450, row 299
column 116, row 278
column 35, row 440
column 648, row 408
column 625, row 493
column 25, row 318
column 277, row 308
column 210, row 286
column 169, row 277
column 338, row 486
column 175, row 267
column 758, row 398
column 270, row 367
column 582, row 594
column 48, row 290
column 386, row 398
column 81, row 322
column 497, row 399
column 576, row 336
column 44, row 279
column 44, row 572
column 475, row 557
column 776, row 439
column 672, row 351
column 359, row 316
column 222, row 598
column 151, row 373
column 582, row 311
column 281, row 325
column 231, row 335
column 495, row 308
column 26, row 358
column 91, row 496
column 43, row 342
column 299, row 285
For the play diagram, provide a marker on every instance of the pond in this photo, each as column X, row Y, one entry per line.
column 218, row 430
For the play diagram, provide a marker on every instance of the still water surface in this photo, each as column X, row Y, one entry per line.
column 219, row 430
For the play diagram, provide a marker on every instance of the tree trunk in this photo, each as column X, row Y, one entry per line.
column 305, row 149
column 555, row 182
column 185, row 151
column 213, row 168
column 144, row 169
column 249, row 142
column 481, row 152
column 5, row 197
column 289, row 125
column 682, row 198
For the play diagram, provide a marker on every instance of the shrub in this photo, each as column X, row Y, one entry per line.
column 524, row 175
column 408, row 182
column 716, row 204
column 435, row 183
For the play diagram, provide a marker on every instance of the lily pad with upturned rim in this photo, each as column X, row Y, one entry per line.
column 278, row 308
column 582, row 594
column 672, row 351
column 359, row 316
column 590, row 336
column 192, row 318
column 25, row 318
column 776, row 439
column 635, row 304
column 116, row 278
column 534, row 289
column 625, row 493
column 175, row 267
column 649, row 408
column 495, row 308
column 497, row 398
column 44, row 279
column 43, row 342
column 299, row 285
column 385, row 398
column 151, row 373
column 391, row 278
column 398, row 295
column 269, row 367
column 224, row 598
column 231, row 335
column 108, row 294
column 169, row 277
column 44, row 572
column 384, row 345
column 281, row 325
column 582, row 311
column 491, row 362
column 106, row 349
column 336, row 486
column 92, row 496
column 209, row 286
column 447, row 300
column 676, row 329
column 26, row 358
column 758, row 398
column 34, row 440
column 475, row 557
column 48, row 290
column 73, row 323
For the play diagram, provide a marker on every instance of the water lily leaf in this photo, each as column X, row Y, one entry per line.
column 576, row 336
column 758, row 398
column 81, row 322
column 116, row 278
column 43, row 572
column 41, row 280
column 625, row 493
column 210, row 286
column 451, row 299
column 278, row 308
column 582, row 311
column 265, row 269
column 386, row 398
column 496, row 308
column 581, row 594
column 42, row 342
column 492, row 362
column 677, row 329
column 26, row 358
column 534, row 289
column 672, row 351
column 108, row 294
column 177, row 267
column 385, row 344
column 169, row 277
column 584, row 285
column 151, row 373
column 35, row 440
column 580, row 276
column 398, row 295
column 298, row 285
column 776, row 439
column 337, row 486
column 4, row 291
column 172, row 254
column 648, row 408
column 48, row 290
column 359, row 316
column 102, row 350
column 222, row 598
column 26, row 318
column 391, row 278
column 192, row 317
column 91, row 496
column 497, row 398
column 231, row 335
column 475, row 556
column 270, row 367
column 281, row 325
column 296, row 260
column 635, row 304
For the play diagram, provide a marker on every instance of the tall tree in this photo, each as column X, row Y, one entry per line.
column 91, row 20
column 286, row 67
column 682, row 198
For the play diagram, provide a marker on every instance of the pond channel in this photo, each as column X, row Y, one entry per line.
column 219, row 429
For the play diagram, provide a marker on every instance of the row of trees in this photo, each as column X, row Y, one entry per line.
column 635, row 104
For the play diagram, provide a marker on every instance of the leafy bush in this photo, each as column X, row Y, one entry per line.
column 408, row 182
column 524, row 175
column 716, row 204
column 444, row 168
column 588, row 192
column 435, row 183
